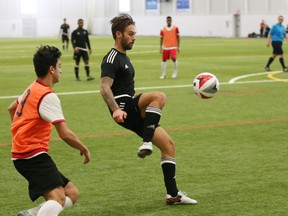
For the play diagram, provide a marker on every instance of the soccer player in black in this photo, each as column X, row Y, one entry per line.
column 139, row 113
column 80, row 42
column 65, row 32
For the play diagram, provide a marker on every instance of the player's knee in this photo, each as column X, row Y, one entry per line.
column 74, row 195
column 161, row 98
column 62, row 199
column 56, row 194
column 72, row 192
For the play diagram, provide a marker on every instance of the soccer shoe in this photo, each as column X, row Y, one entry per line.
column 163, row 77
column 181, row 198
column 89, row 78
column 267, row 69
column 78, row 79
column 174, row 75
column 145, row 150
column 285, row 69
column 24, row 213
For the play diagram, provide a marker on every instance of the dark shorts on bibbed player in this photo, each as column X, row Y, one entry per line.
column 41, row 173
column 81, row 53
column 277, row 47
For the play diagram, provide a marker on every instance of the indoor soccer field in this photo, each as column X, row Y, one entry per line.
column 231, row 150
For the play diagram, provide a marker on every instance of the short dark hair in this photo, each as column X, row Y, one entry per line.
column 45, row 57
column 119, row 23
column 168, row 17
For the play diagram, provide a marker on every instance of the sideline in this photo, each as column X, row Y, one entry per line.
column 232, row 81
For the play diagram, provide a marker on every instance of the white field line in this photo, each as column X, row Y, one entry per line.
column 249, row 75
column 156, row 87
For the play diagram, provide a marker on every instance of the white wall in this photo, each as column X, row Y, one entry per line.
column 10, row 22
column 211, row 26
column 253, row 23
column 206, row 18
column 104, row 11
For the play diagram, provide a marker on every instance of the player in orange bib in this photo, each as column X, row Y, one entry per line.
column 169, row 46
column 33, row 115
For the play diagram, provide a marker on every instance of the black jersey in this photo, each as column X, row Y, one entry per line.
column 80, row 38
column 64, row 27
column 118, row 66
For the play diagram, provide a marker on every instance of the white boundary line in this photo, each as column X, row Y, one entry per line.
column 231, row 82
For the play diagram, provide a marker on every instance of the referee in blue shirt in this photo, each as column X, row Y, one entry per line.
column 277, row 34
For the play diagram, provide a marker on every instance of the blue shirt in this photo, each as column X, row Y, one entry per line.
column 277, row 32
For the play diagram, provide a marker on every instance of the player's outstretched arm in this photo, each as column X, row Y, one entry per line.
column 72, row 139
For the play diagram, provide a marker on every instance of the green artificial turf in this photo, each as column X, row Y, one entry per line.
column 231, row 149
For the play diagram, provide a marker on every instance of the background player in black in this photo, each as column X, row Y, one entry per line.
column 65, row 32
column 80, row 40
column 139, row 113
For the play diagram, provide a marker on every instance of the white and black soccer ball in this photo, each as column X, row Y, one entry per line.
column 206, row 85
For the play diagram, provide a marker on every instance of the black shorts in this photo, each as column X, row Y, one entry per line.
column 81, row 53
column 65, row 38
column 277, row 47
column 41, row 173
column 134, row 120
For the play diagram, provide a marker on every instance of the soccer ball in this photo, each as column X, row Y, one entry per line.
column 206, row 85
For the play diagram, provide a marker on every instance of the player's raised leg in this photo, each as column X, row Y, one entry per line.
column 150, row 104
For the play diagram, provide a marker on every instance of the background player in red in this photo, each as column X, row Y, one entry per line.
column 169, row 46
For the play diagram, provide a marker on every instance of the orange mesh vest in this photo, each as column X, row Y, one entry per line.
column 170, row 37
column 30, row 133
